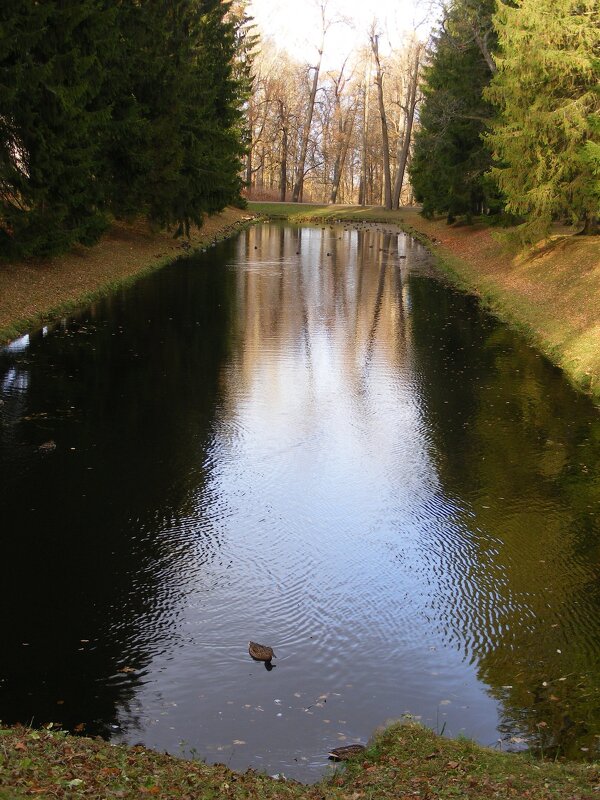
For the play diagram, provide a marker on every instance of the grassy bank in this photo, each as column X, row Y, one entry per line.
column 405, row 761
column 550, row 293
column 35, row 291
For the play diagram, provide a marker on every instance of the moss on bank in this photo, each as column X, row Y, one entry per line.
column 405, row 761
column 35, row 291
column 550, row 293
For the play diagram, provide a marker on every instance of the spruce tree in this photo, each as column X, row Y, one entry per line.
column 175, row 145
column 450, row 161
column 547, row 139
column 51, row 124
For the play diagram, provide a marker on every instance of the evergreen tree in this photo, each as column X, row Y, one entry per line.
column 212, row 95
column 51, row 123
column 175, row 146
column 122, row 107
column 546, row 140
column 450, row 161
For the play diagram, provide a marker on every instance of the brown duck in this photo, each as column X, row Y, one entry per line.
column 346, row 752
column 260, row 652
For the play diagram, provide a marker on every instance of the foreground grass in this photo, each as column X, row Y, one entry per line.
column 550, row 293
column 35, row 291
column 405, row 761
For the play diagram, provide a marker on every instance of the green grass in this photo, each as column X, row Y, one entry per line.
column 404, row 761
column 304, row 212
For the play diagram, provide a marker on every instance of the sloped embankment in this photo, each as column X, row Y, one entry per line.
column 405, row 761
column 37, row 290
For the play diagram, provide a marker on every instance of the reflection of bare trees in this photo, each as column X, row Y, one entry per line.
column 333, row 292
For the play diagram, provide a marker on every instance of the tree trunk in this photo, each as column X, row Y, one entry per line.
column 591, row 226
column 249, row 167
column 340, row 160
column 299, row 184
column 387, row 176
column 283, row 169
column 362, row 191
column 410, row 115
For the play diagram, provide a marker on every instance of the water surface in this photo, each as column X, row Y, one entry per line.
column 305, row 438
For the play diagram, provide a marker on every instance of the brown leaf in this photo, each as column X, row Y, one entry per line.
column 20, row 746
column 452, row 764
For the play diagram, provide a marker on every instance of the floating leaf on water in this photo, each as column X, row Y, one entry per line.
column 239, row 741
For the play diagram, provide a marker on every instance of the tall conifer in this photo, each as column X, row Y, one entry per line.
column 450, row 160
column 547, row 139
column 51, row 123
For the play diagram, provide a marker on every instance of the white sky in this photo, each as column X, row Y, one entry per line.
column 295, row 24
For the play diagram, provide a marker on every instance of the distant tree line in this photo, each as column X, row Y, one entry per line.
column 510, row 119
column 116, row 109
column 338, row 135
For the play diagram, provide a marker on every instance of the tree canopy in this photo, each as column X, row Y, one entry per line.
column 117, row 109
column 546, row 139
column 450, row 160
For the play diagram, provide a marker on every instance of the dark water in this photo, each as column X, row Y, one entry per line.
column 336, row 455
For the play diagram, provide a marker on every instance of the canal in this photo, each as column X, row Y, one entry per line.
column 302, row 437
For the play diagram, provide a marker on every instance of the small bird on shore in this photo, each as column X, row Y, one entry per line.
column 260, row 652
column 346, row 752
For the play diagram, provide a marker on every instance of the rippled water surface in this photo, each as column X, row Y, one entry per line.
column 304, row 438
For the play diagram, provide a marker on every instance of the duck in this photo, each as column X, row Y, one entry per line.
column 346, row 752
column 260, row 652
